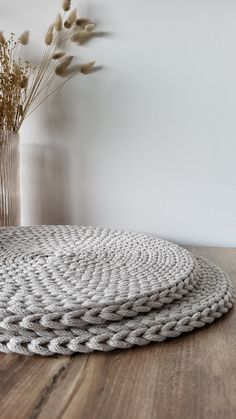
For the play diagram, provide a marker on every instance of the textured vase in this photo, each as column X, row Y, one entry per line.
column 9, row 178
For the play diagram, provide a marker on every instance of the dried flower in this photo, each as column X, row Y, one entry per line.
column 12, row 76
column 70, row 19
column 17, row 69
column 80, row 36
column 24, row 38
column 90, row 27
column 20, row 110
column 85, row 68
column 63, row 65
column 2, row 39
column 58, row 23
column 24, row 82
column 49, row 35
column 57, row 55
column 82, row 22
column 66, row 5
column 23, row 87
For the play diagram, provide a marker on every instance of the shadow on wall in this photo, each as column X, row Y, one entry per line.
column 45, row 169
column 45, row 189
column 54, row 173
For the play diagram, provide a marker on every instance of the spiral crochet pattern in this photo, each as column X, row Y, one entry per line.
column 67, row 289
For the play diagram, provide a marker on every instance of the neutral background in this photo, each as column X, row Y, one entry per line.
column 149, row 142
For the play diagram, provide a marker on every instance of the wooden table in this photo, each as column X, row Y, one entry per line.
column 191, row 377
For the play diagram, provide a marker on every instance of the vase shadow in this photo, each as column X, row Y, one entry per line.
column 45, row 184
column 54, row 174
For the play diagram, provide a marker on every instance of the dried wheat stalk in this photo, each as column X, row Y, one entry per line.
column 63, row 65
column 58, row 22
column 71, row 19
column 24, row 39
column 23, row 86
column 66, row 5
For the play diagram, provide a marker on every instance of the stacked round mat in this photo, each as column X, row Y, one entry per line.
column 66, row 289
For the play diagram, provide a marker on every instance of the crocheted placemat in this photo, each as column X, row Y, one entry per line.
column 210, row 298
column 68, row 289
column 67, row 275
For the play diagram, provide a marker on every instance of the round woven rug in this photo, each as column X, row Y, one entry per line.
column 68, row 289
column 67, row 275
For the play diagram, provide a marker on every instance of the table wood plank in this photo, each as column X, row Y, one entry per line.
column 193, row 376
column 28, row 384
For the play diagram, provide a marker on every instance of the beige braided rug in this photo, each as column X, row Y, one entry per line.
column 66, row 289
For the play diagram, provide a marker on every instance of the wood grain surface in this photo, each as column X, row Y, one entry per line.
column 193, row 376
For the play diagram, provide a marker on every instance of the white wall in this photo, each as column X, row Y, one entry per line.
column 148, row 143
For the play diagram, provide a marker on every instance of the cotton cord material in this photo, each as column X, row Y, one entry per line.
column 66, row 289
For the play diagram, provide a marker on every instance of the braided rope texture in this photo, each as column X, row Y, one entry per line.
column 66, row 289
